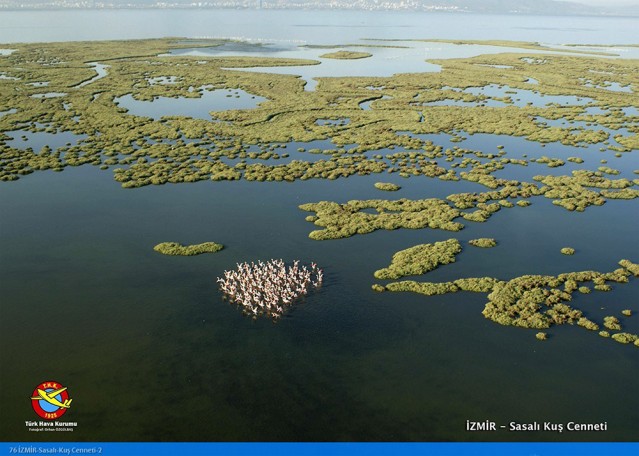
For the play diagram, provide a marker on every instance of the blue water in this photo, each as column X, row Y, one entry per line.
column 197, row 108
column 306, row 27
column 149, row 349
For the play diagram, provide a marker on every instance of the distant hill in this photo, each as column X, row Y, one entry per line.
column 542, row 7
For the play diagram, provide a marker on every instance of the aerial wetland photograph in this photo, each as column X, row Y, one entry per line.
column 308, row 221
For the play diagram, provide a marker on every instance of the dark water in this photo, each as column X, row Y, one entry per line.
column 150, row 351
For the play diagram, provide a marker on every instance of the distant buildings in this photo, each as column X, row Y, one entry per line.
column 551, row 7
column 370, row 5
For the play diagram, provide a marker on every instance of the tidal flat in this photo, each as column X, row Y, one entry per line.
column 95, row 135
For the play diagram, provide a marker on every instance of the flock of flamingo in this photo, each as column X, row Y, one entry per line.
column 268, row 289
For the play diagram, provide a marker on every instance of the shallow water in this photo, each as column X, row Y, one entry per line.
column 387, row 57
column 383, row 61
column 49, row 95
column 101, row 71
column 345, row 362
column 366, row 105
column 514, row 97
column 487, row 103
column 521, row 98
column 197, row 108
column 24, row 139
column 333, row 122
column 8, row 111
column 8, row 78
column 626, row 52
column 614, row 87
column 150, row 351
column 39, row 84
column 163, row 80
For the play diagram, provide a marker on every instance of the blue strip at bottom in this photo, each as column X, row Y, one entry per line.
column 316, row 449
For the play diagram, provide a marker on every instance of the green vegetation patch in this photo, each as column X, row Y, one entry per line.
column 345, row 220
column 346, row 55
column 475, row 284
column 420, row 259
column 530, row 301
column 483, row 242
column 630, row 266
column 178, row 149
column 625, row 338
column 173, row 248
column 516, row 44
column 387, row 186
column 568, row 251
column 612, row 323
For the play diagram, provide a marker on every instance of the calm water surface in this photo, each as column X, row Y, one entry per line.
column 136, row 332
column 151, row 351
column 322, row 27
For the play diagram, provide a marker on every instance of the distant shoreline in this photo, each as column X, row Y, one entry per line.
column 188, row 7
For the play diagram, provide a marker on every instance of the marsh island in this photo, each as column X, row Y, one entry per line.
column 465, row 200
column 77, row 91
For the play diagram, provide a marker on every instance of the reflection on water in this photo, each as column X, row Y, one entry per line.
column 333, row 122
column 366, row 105
column 503, row 67
column 321, row 27
column 25, row 139
column 612, row 86
column 152, row 335
column 38, row 84
column 521, row 148
column 49, row 95
column 163, row 80
column 312, row 151
column 383, row 62
column 197, row 108
column 521, row 97
column 101, row 71
column 488, row 103
column 8, row 78
column 626, row 52
column 347, row 363
column 495, row 95
column 397, row 57
column 9, row 111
